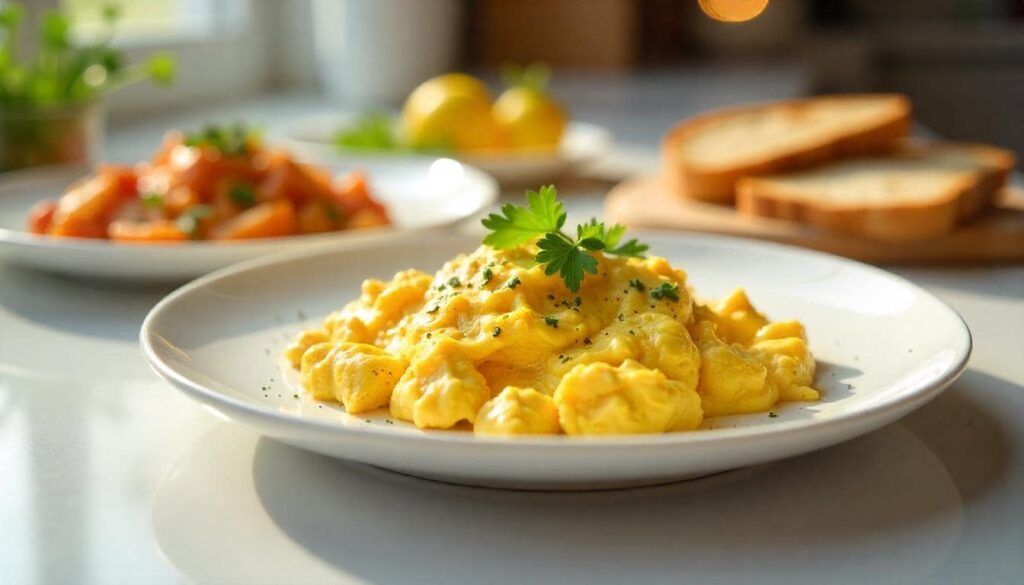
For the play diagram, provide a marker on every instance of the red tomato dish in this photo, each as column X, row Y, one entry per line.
column 217, row 184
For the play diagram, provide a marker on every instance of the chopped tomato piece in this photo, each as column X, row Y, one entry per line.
column 92, row 201
column 171, row 140
column 40, row 216
column 179, row 199
column 286, row 179
column 318, row 216
column 161, row 230
column 366, row 218
column 74, row 227
column 200, row 169
column 354, row 195
column 127, row 181
column 266, row 220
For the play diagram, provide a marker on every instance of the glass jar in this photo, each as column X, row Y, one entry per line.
column 35, row 135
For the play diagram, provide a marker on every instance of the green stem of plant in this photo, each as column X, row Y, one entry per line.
column 567, row 239
column 127, row 76
column 12, row 42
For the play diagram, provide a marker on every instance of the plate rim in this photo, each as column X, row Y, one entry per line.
column 901, row 404
column 289, row 135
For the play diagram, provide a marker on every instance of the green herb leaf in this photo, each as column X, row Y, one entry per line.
column 613, row 235
column 200, row 211
column 10, row 16
column 370, row 131
column 551, row 322
column 518, row 225
column 488, row 274
column 111, row 12
column 666, row 290
column 188, row 222
column 591, row 230
column 152, row 200
column 242, row 194
column 535, row 76
column 563, row 256
column 162, row 68
column 54, row 31
column 568, row 257
column 631, row 248
column 334, row 212
column 235, row 140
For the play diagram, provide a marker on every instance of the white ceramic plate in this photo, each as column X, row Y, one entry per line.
column 311, row 138
column 884, row 347
column 419, row 194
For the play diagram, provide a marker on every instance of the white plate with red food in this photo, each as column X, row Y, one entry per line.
column 205, row 203
column 883, row 347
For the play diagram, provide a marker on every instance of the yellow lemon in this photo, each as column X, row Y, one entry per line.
column 530, row 118
column 450, row 111
column 449, row 84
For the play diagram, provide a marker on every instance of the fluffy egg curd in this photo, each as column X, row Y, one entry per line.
column 493, row 342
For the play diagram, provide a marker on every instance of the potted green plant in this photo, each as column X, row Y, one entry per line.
column 51, row 109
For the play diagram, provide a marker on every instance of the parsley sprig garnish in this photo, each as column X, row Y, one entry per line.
column 570, row 257
column 666, row 290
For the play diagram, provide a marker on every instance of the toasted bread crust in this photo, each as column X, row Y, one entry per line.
column 718, row 185
column 895, row 222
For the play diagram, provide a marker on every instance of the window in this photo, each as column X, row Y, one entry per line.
column 215, row 42
column 150, row 21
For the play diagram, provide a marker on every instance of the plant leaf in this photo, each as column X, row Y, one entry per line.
column 613, row 235
column 54, row 31
column 162, row 68
column 518, row 225
column 631, row 248
column 369, row 131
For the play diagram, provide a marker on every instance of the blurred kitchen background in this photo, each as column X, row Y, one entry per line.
column 961, row 61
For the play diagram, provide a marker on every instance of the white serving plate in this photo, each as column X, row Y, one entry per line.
column 419, row 194
column 884, row 348
column 312, row 139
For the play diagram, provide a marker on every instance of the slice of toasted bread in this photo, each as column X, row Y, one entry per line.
column 921, row 192
column 704, row 156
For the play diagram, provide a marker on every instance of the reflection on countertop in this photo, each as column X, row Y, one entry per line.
column 831, row 516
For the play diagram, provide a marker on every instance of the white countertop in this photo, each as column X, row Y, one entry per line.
column 108, row 475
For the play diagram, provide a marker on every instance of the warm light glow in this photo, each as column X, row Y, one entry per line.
column 94, row 75
column 184, row 156
column 733, row 10
column 445, row 173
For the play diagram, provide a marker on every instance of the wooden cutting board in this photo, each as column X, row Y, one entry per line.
column 995, row 237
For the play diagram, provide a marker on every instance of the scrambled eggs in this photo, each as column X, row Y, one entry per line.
column 491, row 341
